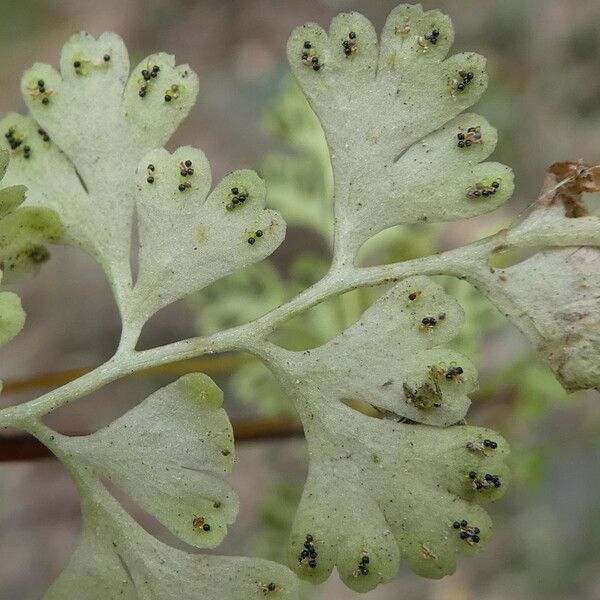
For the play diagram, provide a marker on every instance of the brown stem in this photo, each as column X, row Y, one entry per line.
column 211, row 366
column 25, row 447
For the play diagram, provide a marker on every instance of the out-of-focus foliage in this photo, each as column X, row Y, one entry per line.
column 301, row 182
column 276, row 513
column 23, row 231
column 22, row 234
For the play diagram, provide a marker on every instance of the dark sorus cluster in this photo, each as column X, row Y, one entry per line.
column 454, row 374
column 237, row 198
column 467, row 532
column 268, row 587
column 39, row 91
column 309, row 57
column 79, row 64
column 430, row 37
column 13, row 141
column 361, row 568
column 480, row 447
column 257, row 234
column 185, row 170
column 147, row 76
column 425, row 397
column 172, row 93
column 200, row 523
column 460, row 85
column 349, row 44
column 308, row 556
column 36, row 254
column 428, row 323
column 451, row 373
column 483, row 189
column 484, row 482
column 16, row 143
column 467, row 138
column 151, row 168
column 42, row 133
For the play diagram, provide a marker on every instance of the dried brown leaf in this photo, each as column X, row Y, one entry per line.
column 566, row 182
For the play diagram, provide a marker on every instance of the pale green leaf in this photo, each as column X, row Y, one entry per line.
column 389, row 488
column 4, row 159
column 51, row 179
column 23, row 230
column 87, row 132
column 11, row 197
column 390, row 360
column 96, row 122
column 27, row 261
column 554, row 298
column 189, row 240
column 390, row 492
column 12, row 316
column 390, row 114
column 22, row 233
column 549, row 226
column 117, row 560
column 169, row 454
column 96, row 570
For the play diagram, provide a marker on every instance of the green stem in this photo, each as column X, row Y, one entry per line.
column 126, row 361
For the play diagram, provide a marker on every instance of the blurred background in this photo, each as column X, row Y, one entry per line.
column 544, row 98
